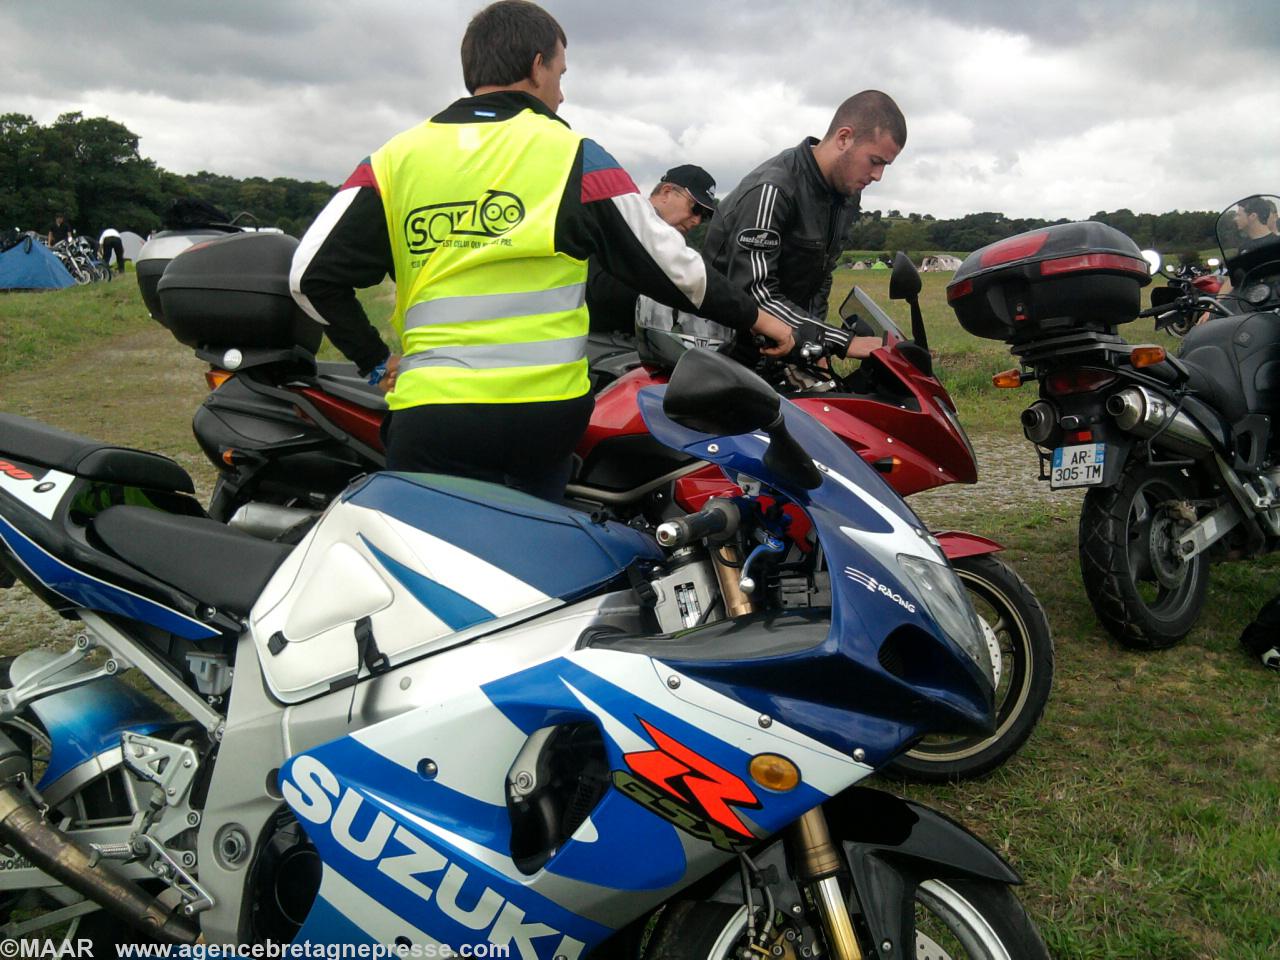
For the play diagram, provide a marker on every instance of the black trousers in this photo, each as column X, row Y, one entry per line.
column 524, row 445
column 113, row 245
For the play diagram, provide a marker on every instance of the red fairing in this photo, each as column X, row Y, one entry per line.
column 617, row 414
column 362, row 424
column 957, row 544
column 1210, row 283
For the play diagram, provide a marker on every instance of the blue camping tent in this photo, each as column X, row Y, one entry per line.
column 32, row 266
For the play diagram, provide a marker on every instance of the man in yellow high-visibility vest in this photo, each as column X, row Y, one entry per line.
column 485, row 215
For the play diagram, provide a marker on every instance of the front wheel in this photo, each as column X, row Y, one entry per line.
column 1143, row 592
column 955, row 919
column 1022, row 659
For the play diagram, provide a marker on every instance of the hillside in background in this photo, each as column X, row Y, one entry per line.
column 90, row 169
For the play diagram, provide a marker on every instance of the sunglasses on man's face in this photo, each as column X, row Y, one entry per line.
column 706, row 213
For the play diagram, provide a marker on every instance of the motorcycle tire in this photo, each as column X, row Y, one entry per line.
column 1024, row 647
column 976, row 919
column 1145, row 599
column 1181, row 327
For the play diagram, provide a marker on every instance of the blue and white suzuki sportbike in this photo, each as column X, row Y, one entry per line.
column 456, row 715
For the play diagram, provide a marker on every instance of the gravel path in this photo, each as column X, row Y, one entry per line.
column 1008, row 475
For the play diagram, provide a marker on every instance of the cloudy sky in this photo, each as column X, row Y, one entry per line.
column 1054, row 108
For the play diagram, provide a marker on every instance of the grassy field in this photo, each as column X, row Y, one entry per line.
column 1144, row 812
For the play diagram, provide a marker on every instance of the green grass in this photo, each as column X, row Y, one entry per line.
column 1144, row 812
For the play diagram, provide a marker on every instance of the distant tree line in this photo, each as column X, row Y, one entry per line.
column 1178, row 231
column 89, row 169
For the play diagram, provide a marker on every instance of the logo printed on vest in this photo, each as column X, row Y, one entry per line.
column 759, row 238
column 429, row 227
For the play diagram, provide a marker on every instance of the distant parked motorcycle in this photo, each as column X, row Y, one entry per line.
column 1187, row 280
column 1178, row 454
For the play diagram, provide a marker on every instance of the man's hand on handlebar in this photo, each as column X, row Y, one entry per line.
column 862, row 347
column 783, row 337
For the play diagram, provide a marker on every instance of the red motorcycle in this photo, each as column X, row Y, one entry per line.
column 288, row 434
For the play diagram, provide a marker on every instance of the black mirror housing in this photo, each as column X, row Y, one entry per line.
column 904, row 282
column 712, row 394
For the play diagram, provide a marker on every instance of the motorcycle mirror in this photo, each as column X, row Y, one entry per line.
column 1161, row 296
column 1154, row 260
column 712, row 394
column 904, row 282
column 1214, row 262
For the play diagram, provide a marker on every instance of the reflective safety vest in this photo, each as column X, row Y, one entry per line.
column 487, row 311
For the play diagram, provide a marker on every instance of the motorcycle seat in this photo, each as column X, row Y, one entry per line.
column 33, row 442
column 211, row 562
column 342, row 381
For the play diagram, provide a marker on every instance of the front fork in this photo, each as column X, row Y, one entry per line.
column 818, row 860
column 819, row 865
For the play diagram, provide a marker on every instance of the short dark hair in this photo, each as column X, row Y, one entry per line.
column 1262, row 209
column 867, row 112
column 502, row 41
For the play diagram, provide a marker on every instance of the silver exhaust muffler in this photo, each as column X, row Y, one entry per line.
column 72, row 863
column 1141, row 412
column 1038, row 422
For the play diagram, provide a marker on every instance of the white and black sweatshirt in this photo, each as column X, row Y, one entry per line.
column 601, row 213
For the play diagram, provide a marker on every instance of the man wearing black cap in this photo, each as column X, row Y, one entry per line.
column 684, row 198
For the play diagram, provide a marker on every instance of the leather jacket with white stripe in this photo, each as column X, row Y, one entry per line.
column 779, row 233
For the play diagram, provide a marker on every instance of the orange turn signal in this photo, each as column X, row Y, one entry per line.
column 229, row 457
column 774, row 772
column 1147, row 356
column 216, row 378
column 1008, row 379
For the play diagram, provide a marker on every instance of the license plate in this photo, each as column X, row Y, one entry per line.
column 1079, row 466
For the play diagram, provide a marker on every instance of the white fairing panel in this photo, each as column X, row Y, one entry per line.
column 420, row 594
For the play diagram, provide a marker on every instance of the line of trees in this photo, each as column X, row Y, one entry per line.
column 89, row 169
column 1168, row 232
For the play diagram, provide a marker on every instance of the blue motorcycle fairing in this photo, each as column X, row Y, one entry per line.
column 361, row 810
column 863, row 526
column 509, row 529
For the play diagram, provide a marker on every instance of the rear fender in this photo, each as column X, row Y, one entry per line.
column 957, row 544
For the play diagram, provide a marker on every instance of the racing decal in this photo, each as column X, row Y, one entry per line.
column 759, row 238
column 38, row 487
column 875, row 586
column 703, row 791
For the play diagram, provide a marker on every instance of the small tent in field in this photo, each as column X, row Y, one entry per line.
column 32, row 266
column 132, row 244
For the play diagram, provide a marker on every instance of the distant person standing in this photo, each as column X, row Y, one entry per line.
column 61, row 230
column 110, row 243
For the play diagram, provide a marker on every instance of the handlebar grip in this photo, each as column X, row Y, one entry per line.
column 718, row 516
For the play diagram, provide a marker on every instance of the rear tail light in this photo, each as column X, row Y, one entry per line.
column 1078, row 380
column 1093, row 261
column 1015, row 248
column 957, row 290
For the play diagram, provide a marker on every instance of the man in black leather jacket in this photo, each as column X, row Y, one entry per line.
column 781, row 231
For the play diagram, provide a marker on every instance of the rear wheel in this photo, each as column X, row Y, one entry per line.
column 1022, row 660
column 976, row 919
column 1143, row 592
